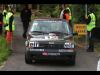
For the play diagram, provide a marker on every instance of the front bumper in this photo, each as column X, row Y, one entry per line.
column 51, row 54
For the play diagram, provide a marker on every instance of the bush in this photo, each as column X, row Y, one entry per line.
column 50, row 10
column 56, row 11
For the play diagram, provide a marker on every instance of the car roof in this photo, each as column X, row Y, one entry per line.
column 50, row 19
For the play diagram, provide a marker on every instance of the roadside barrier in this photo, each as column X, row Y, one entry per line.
column 82, row 38
column 81, row 29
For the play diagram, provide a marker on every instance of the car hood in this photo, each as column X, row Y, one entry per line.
column 49, row 37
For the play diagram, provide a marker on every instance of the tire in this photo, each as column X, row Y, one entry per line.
column 73, row 60
column 28, row 58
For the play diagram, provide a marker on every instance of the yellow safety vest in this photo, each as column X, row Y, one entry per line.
column 4, row 11
column 9, row 14
column 4, row 17
column 91, row 25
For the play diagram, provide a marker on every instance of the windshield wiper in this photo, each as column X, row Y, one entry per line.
column 57, row 32
column 40, row 32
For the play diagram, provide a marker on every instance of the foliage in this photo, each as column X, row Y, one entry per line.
column 78, row 11
column 56, row 11
column 47, row 9
column 4, row 51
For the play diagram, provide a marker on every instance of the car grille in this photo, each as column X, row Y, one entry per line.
column 51, row 46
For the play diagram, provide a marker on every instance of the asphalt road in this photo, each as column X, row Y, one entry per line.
column 84, row 61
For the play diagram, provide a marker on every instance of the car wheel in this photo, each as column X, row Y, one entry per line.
column 28, row 58
column 70, row 61
column 73, row 60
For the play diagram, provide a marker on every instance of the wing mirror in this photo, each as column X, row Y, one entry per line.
column 75, row 34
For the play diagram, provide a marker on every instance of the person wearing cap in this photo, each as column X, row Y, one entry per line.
column 66, row 15
column 67, row 8
column 70, row 15
column 91, row 24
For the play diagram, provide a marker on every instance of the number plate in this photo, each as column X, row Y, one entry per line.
column 51, row 54
column 54, row 54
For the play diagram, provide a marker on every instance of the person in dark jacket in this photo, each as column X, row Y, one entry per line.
column 25, row 18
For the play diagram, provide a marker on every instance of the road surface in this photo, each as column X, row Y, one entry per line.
column 84, row 61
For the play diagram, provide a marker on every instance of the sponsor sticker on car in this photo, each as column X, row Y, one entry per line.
column 51, row 54
column 54, row 54
column 45, row 54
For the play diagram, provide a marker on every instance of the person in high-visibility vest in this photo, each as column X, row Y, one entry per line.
column 66, row 15
column 65, row 7
column 10, row 26
column 69, row 12
column 91, row 24
column 70, row 15
column 4, row 18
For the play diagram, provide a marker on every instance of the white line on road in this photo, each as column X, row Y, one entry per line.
column 98, row 65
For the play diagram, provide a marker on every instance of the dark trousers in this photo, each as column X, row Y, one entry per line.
column 91, row 43
column 25, row 27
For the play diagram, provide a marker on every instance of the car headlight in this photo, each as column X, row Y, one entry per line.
column 69, row 45
column 33, row 44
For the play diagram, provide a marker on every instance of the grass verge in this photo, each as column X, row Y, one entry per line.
column 4, row 51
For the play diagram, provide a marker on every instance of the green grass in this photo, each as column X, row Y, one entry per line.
column 4, row 51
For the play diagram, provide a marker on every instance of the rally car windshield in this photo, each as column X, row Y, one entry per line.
column 50, row 26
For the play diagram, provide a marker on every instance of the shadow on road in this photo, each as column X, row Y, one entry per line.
column 53, row 63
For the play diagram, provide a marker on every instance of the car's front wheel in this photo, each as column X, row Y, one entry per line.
column 28, row 58
column 71, row 60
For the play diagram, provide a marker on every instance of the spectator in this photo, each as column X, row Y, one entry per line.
column 25, row 18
